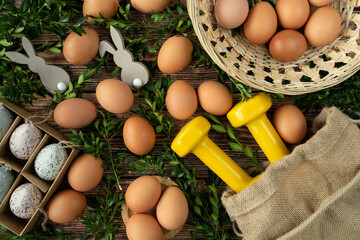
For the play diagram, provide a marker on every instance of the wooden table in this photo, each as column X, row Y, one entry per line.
column 193, row 76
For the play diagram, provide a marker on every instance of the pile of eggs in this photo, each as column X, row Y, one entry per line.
column 144, row 195
column 288, row 28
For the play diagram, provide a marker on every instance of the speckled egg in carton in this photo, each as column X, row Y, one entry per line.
column 33, row 154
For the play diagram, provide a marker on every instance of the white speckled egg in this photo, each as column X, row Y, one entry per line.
column 24, row 140
column 25, row 200
column 49, row 161
column 6, row 180
column 6, row 120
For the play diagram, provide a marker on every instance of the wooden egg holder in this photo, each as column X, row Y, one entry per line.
column 25, row 172
column 126, row 212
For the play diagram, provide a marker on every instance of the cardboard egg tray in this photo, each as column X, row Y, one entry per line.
column 24, row 170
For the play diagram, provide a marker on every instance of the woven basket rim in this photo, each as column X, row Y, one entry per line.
column 334, row 77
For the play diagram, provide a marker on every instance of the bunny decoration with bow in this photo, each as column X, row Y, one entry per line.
column 134, row 74
column 54, row 79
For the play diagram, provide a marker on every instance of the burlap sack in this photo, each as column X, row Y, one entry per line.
column 314, row 193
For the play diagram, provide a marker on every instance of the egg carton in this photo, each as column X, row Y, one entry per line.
column 25, row 172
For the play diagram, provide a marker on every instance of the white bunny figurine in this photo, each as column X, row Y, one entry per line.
column 52, row 77
column 134, row 74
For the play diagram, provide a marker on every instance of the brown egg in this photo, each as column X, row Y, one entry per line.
column 172, row 209
column 323, row 26
column 75, row 113
column 320, row 3
column 181, row 100
column 288, row 46
column 175, row 54
column 114, row 95
column 143, row 194
column 66, row 206
column 261, row 23
column 150, row 6
column 107, row 8
column 80, row 50
column 290, row 123
column 292, row 14
column 143, row 226
column 85, row 172
column 219, row 105
column 231, row 13
column 139, row 135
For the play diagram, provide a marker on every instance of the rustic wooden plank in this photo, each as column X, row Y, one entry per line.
column 194, row 76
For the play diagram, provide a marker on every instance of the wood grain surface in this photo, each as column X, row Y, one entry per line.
column 193, row 76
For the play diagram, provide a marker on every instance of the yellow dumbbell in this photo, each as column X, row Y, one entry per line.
column 193, row 138
column 252, row 114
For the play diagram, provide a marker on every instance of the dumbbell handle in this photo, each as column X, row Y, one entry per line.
column 267, row 138
column 222, row 165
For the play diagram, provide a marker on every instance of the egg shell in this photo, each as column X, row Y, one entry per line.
column 66, row 206
column 175, row 54
column 181, row 100
column 80, row 50
column 231, row 13
column 24, row 200
column 85, row 172
column 114, row 95
column 261, row 23
column 323, row 26
column 292, row 14
column 143, row 194
column 24, row 140
column 320, row 3
column 107, row 8
column 172, row 209
column 75, row 113
column 150, row 6
column 290, row 123
column 6, row 181
column 143, row 226
column 219, row 105
column 288, row 46
column 50, row 161
column 6, row 119
column 139, row 136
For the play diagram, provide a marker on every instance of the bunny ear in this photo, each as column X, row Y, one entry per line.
column 17, row 57
column 29, row 49
column 117, row 38
column 106, row 46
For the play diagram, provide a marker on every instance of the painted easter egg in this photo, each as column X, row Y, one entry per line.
column 49, row 161
column 25, row 200
column 6, row 120
column 24, row 140
column 6, row 180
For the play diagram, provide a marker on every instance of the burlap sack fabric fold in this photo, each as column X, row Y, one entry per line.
column 313, row 193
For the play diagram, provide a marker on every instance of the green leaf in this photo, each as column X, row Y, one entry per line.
column 219, row 128
column 54, row 50
column 24, row 7
column 231, row 133
column 236, row 147
column 212, row 118
column 248, row 151
column 197, row 210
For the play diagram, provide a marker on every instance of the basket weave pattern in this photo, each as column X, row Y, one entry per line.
column 252, row 65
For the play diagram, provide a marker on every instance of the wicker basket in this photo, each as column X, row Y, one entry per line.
column 252, row 65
